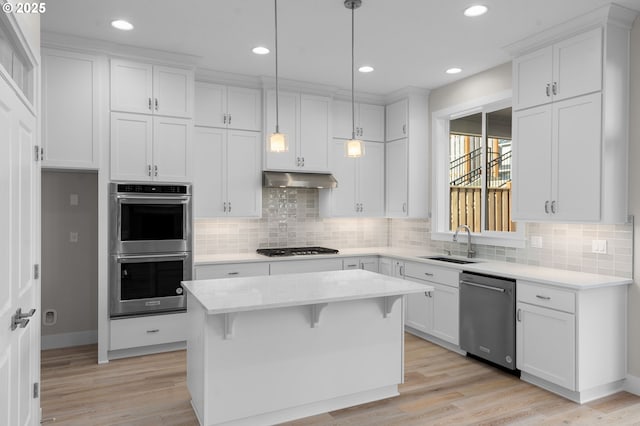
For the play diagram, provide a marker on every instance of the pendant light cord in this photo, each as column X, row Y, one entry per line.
column 353, row 104
column 277, row 86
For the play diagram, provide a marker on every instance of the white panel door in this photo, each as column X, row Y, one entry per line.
column 131, row 87
column 314, row 133
column 131, row 147
column 343, row 198
column 288, row 113
column 371, row 180
column 209, row 177
column 371, row 121
column 173, row 92
column 532, row 78
column 577, row 167
column 210, row 105
column 19, row 248
column 396, row 178
column 244, row 177
column 341, row 123
column 397, row 120
column 172, row 149
column 446, row 313
column 532, row 156
column 577, row 65
column 243, row 107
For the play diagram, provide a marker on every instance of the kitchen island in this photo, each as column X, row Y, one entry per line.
column 267, row 349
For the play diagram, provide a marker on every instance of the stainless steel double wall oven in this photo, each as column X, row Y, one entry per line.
column 150, row 248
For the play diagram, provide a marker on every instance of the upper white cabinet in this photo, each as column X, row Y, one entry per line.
column 570, row 148
column 151, row 89
column 226, row 177
column 566, row 69
column 305, row 119
column 70, row 109
column 369, row 121
column 227, row 107
column 406, row 158
column 145, row 148
column 360, row 190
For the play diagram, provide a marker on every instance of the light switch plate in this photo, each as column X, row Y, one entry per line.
column 73, row 237
column 73, row 199
column 599, row 246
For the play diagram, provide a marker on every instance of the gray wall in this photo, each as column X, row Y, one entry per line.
column 70, row 270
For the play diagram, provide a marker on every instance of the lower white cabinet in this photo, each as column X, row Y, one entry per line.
column 311, row 265
column 369, row 263
column 231, row 270
column 147, row 331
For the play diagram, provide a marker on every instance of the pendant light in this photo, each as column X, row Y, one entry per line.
column 277, row 141
column 354, row 148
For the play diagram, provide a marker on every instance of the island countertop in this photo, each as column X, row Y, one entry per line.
column 228, row 295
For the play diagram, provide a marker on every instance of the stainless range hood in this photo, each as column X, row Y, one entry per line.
column 298, row 180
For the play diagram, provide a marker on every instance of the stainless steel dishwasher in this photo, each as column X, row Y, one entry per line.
column 488, row 318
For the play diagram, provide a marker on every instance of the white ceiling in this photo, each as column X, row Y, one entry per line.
column 409, row 42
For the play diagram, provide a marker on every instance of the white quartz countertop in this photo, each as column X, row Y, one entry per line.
column 228, row 295
column 550, row 276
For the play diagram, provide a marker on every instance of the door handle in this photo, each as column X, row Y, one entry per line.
column 21, row 319
column 155, row 168
column 543, row 297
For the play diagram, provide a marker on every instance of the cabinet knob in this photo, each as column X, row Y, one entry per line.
column 224, row 206
column 518, row 315
column 404, row 207
column 229, row 204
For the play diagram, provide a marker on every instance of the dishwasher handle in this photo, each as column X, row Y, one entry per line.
column 486, row 287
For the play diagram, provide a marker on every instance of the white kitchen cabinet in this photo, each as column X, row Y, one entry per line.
column 306, row 265
column 360, row 190
column 369, row 121
column 231, row 270
column 305, row 120
column 557, row 161
column 145, row 148
column 151, row 89
column 568, row 68
column 229, row 107
column 398, row 120
column 227, row 178
column 406, row 158
column 369, row 263
column 147, row 331
column 71, row 109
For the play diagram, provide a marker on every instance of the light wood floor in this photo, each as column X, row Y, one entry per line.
column 440, row 388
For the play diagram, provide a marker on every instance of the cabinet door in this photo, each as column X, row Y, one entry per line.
column 370, row 264
column 173, row 92
column 131, row 147
column 171, row 149
column 243, row 106
column 532, row 156
column 341, row 122
column 546, row 344
column 244, row 176
column 577, row 166
column 131, row 86
column 343, row 198
column 314, row 133
column 532, row 78
column 385, row 266
column 446, row 313
column 210, row 105
column 371, row 121
column 577, row 65
column 397, row 120
column 371, row 180
column 70, row 110
column 420, row 310
column 396, row 178
column 209, row 177
column 288, row 112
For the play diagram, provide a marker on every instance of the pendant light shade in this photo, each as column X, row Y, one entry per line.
column 277, row 141
column 354, row 148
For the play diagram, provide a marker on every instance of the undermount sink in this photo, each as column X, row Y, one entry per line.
column 448, row 259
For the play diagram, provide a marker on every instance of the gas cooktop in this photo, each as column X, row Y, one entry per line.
column 295, row 251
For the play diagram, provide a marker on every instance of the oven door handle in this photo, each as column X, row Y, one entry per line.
column 125, row 258
column 154, row 199
column 486, row 287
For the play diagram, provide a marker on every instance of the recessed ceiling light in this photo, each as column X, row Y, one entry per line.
column 260, row 50
column 121, row 24
column 365, row 68
column 475, row 10
column 453, row 70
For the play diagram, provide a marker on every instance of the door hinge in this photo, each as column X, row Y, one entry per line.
column 36, row 151
column 36, row 271
column 36, row 390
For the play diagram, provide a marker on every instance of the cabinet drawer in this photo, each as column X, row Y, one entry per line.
column 300, row 266
column 208, row 272
column 146, row 331
column 549, row 297
column 426, row 272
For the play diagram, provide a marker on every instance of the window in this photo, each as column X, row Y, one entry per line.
column 472, row 165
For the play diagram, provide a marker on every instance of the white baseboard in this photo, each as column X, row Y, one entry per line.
column 632, row 385
column 65, row 340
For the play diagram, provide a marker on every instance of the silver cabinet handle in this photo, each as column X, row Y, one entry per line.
column 150, row 107
column 302, row 161
column 155, row 330
column 156, row 104
column 543, row 297
column 229, row 119
column 224, row 119
column 428, row 294
column 353, row 265
column 404, row 207
column 224, row 206
column 401, row 271
column 149, row 169
column 546, row 206
column 155, row 170
column 429, row 274
column 486, row 287
column 554, row 88
column 553, row 206
column 233, row 273
column 518, row 315
column 548, row 90
column 404, row 129
column 298, row 161
column 229, row 206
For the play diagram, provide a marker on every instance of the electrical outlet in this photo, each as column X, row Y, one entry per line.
column 536, row 241
column 599, row 246
column 73, row 199
column 73, row 237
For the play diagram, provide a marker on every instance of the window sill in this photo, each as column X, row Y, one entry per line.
column 517, row 240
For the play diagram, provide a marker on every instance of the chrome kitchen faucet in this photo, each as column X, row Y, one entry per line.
column 470, row 252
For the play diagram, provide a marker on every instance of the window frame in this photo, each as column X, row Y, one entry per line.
column 440, row 214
